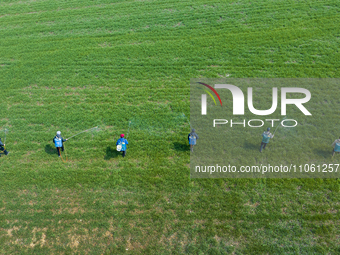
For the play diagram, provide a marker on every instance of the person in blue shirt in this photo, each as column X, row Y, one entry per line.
column 121, row 144
column 59, row 142
column 2, row 148
column 266, row 135
column 192, row 137
column 336, row 146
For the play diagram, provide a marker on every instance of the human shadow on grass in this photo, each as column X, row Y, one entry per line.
column 111, row 153
column 251, row 146
column 181, row 146
column 324, row 153
column 50, row 150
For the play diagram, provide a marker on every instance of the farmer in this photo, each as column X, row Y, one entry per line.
column 2, row 148
column 121, row 144
column 59, row 142
column 266, row 137
column 192, row 137
column 336, row 146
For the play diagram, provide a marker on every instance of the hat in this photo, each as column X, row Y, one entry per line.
column 122, row 135
column 268, row 129
column 193, row 130
column 58, row 133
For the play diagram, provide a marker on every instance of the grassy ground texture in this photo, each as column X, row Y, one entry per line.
column 70, row 66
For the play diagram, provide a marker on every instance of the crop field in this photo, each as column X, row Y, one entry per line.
column 125, row 67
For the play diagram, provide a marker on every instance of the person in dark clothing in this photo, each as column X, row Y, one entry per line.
column 192, row 137
column 3, row 149
column 266, row 136
column 59, row 142
column 121, row 144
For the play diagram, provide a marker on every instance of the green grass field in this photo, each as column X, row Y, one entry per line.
column 73, row 65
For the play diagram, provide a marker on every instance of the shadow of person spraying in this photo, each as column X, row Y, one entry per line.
column 251, row 145
column 50, row 150
column 181, row 146
column 324, row 153
column 111, row 153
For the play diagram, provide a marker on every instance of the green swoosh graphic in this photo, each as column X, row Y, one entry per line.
column 211, row 96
